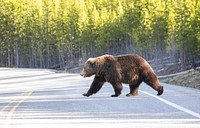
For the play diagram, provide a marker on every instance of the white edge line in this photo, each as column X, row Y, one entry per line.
column 173, row 105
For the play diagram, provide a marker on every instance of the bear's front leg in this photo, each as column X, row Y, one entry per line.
column 95, row 86
column 117, row 88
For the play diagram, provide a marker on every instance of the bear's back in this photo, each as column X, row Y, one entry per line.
column 130, row 60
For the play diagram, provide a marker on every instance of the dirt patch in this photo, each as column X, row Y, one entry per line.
column 190, row 78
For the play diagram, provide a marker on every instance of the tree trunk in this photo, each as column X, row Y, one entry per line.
column 40, row 58
column 17, row 55
column 61, row 58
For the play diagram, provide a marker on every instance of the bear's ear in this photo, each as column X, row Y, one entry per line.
column 91, row 61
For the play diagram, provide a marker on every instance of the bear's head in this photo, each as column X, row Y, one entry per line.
column 88, row 69
column 104, row 66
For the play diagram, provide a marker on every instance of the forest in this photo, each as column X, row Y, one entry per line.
column 46, row 33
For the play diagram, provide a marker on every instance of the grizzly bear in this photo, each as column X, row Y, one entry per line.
column 129, row 69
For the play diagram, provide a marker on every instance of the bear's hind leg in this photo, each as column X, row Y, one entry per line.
column 153, row 82
column 133, row 89
column 156, row 86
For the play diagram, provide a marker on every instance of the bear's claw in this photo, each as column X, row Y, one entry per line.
column 130, row 94
column 160, row 91
column 85, row 94
column 114, row 95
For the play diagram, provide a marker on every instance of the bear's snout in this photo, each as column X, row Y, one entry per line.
column 86, row 73
column 82, row 74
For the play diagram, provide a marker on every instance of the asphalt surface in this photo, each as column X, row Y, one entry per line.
column 44, row 98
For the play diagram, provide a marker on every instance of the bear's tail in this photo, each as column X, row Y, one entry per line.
column 160, row 90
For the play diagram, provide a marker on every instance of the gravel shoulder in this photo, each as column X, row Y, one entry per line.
column 190, row 78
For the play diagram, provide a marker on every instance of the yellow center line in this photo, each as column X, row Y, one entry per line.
column 10, row 113
column 11, row 102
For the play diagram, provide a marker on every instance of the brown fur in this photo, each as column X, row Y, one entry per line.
column 129, row 69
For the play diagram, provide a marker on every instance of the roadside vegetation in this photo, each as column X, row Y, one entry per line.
column 189, row 78
column 62, row 34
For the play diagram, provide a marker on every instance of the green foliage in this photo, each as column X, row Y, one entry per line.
column 42, row 33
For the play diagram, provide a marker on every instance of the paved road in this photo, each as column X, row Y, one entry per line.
column 44, row 98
